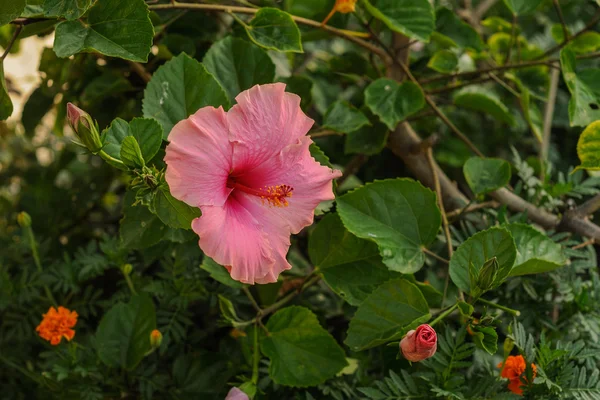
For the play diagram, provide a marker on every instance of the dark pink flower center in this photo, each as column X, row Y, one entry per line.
column 274, row 195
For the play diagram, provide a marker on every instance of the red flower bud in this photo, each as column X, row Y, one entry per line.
column 419, row 344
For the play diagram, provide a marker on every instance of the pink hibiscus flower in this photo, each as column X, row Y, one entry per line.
column 251, row 173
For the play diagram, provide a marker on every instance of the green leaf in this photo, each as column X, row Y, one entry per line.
column 531, row 112
column 178, row 89
column 10, row 10
column 536, row 252
column 485, row 337
column 341, row 116
column 116, row 28
column 37, row 106
column 6, row 106
column 587, row 147
column 520, row 7
column 302, row 353
column 587, row 42
column 219, row 273
column 69, row 9
column 475, row 251
column 413, row 18
column 131, row 154
column 368, row 140
column 302, row 86
column 123, row 336
column 228, row 311
column 400, row 215
column 238, row 65
column 275, row 30
column 485, row 175
column 459, row 32
column 584, row 86
column 393, row 102
column 477, row 98
column 352, row 267
column 173, row 212
column 140, row 228
column 146, row 131
column 443, row 61
column 386, row 315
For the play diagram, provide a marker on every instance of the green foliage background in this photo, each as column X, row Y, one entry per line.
column 507, row 266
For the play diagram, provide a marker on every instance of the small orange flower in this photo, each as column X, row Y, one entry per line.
column 156, row 338
column 514, row 367
column 343, row 6
column 57, row 324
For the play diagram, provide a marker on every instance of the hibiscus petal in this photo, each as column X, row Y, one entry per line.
column 263, row 122
column 232, row 236
column 295, row 167
column 199, row 158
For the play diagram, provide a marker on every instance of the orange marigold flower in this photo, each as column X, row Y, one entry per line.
column 513, row 369
column 57, row 324
column 343, row 6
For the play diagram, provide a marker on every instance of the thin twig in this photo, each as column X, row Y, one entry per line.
column 460, row 85
column 568, row 40
column 562, row 19
column 252, row 300
column 584, row 244
column 472, row 208
column 445, row 225
column 248, row 10
column 325, row 132
column 140, row 70
column 432, row 254
column 12, row 42
column 428, row 99
column 512, row 39
column 352, row 167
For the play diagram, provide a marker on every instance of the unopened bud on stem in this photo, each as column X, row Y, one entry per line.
column 24, row 219
column 156, row 338
column 85, row 128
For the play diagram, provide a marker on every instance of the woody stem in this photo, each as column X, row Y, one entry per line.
column 444, row 314
column 516, row 313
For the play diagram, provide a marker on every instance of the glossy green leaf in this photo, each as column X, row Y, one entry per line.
column 584, row 107
column 274, row 29
column 413, row 18
column 146, row 131
column 6, row 106
column 536, row 252
column 351, row 266
column 393, row 102
column 386, row 315
column 173, row 212
column 9, row 10
column 302, row 86
column 400, row 215
column 219, row 273
column 116, row 28
column 443, row 61
column 475, row 251
column 341, row 116
column 178, row 89
column 238, row 65
column 368, row 140
column 459, row 32
column 477, row 98
column 521, row 7
column 486, row 174
column 130, row 153
column 587, row 42
column 69, row 9
column 123, row 336
column 302, row 353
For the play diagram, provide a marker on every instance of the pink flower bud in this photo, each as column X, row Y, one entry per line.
column 419, row 344
column 85, row 128
column 236, row 394
column 75, row 115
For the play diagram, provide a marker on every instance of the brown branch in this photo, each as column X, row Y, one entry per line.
column 474, row 207
column 248, row 10
column 12, row 42
column 352, row 167
column 140, row 70
column 589, row 207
